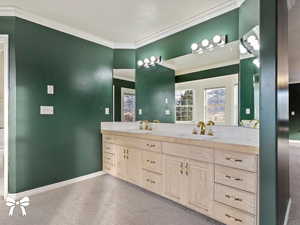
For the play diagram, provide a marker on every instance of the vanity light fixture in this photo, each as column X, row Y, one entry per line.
column 256, row 62
column 206, row 44
column 251, row 44
column 149, row 62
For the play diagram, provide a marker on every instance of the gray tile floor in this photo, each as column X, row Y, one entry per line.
column 109, row 201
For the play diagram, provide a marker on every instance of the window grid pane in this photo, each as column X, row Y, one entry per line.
column 215, row 104
column 184, row 105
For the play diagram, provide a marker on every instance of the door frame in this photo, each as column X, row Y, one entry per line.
column 4, row 40
column 123, row 91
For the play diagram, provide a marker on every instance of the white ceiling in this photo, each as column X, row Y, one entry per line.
column 123, row 21
column 221, row 56
column 294, row 40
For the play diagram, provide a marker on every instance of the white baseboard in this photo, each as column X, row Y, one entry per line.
column 287, row 213
column 55, row 186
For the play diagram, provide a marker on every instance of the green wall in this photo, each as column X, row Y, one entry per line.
column 118, row 84
column 153, row 85
column 215, row 72
column 124, row 59
column 249, row 16
column 49, row 149
column 246, row 89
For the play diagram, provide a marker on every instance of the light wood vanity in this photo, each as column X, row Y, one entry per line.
column 216, row 179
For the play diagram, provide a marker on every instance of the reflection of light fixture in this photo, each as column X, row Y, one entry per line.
column 251, row 44
column 256, row 62
column 206, row 44
column 243, row 50
column 149, row 62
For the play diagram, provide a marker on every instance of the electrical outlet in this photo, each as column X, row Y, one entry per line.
column 248, row 111
column 106, row 111
column 50, row 89
column 140, row 111
column 46, row 110
column 167, row 112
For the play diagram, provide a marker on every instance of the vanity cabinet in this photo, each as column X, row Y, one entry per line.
column 222, row 184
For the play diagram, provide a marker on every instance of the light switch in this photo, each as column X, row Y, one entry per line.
column 46, row 110
column 106, row 111
column 167, row 112
column 166, row 100
column 50, row 89
column 248, row 111
column 140, row 111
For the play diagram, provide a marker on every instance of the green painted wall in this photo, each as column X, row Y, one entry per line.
column 153, row 85
column 118, row 84
column 124, row 59
column 246, row 89
column 55, row 148
column 180, row 43
column 215, row 72
column 249, row 16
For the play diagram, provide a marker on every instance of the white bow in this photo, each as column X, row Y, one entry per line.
column 10, row 202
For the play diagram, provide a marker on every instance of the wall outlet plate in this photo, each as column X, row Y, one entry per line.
column 140, row 111
column 50, row 89
column 46, row 110
column 167, row 112
column 106, row 111
column 248, row 111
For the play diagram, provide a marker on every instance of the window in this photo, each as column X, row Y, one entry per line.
column 184, row 105
column 235, row 104
column 128, row 105
column 215, row 104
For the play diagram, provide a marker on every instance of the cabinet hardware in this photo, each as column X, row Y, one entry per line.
column 127, row 151
column 151, row 145
column 233, row 178
column 107, row 158
column 186, row 168
column 233, row 160
column 234, row 198
column 152, row 162
column 152, row 182
column 233, row 218
column 108, row 148
column 181, row 168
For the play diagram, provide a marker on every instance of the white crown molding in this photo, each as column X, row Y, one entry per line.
column 124, row 46
column 192, row 21
column 50, row 187
column 17, row 12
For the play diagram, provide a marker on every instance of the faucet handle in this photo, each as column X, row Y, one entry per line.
column 210, row 123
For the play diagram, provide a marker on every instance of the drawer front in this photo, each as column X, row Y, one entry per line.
column 236, row 160
column 108, row 138
column 235, row 198
column 189, row 151
column 240, row 179
column 229, row 215
column 152, row 182
column 152, row 161
column 108, row 147
column 109, row 158
column 144, row 144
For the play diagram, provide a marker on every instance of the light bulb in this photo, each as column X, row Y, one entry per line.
column 194, row 46
column 205, row 43
column 251, row 39
column 146, row 61
column 243, row 50
column 217, row 39
column 140, row 63
column 256, row 62
column 153, row 58
column 256, row 45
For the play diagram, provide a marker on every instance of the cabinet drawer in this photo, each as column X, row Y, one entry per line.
column 240, row 179
column 229, row 215
column 238, row 199
column 109, row 158
column 152, row 161
column 189, row 151
column 152, row 182
column 236, row 160
column 108, row 147
column 144, row 144
column 108, row 138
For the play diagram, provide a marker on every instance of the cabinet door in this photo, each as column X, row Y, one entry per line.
column 174, row 178
column 200, row 186
column 121, row 162
column 134, row 158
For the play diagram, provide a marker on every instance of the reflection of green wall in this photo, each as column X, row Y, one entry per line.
column 118, row 84
column 124, row 59
column 246, row 89
column 51, row 149
column 179, row 44
column 153, row 85
column 215, row 72
column 249, row 16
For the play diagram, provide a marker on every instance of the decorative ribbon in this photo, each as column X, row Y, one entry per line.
column 24, row 202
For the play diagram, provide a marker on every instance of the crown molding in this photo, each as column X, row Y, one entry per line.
column 124, row 46
column 192, row 21
column 17, row 12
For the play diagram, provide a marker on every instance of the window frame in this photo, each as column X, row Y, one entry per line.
column 193, row 105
